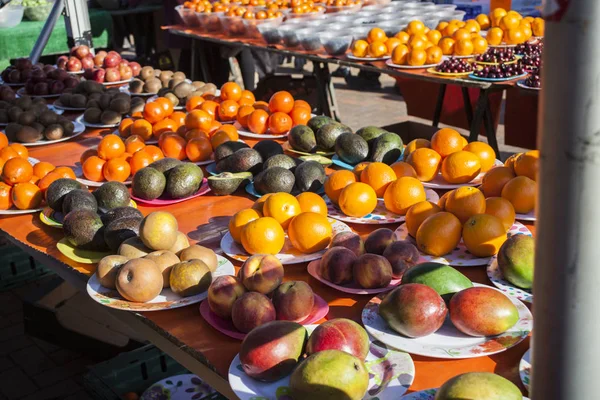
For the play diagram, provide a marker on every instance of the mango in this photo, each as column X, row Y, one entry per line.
column 337, row 265
column 261, row 273
column 478, row 385
column 372, row 271
column 251, row 310
column 350, row 240
column 440, row 277
column 516, row 260
column 413, row 310
column 482, row 311
column 378, row 240
column 402, row 255
column 272, row 350
column 339, row 334
column 331, row 375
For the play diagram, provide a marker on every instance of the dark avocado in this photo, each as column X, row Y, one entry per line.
column 120, row 212
column 315, row 123
column 273, row 180
column 120, row 230
column 227, row 183
column 370, row 133
column 79, row 199
column 302, row 138
column 228, row 148
column 112, row 195
column 148, row 183
column 327, row 135
column 165, row 164
column 268, row 148
column 351, row 148
column 84, row 230
column 387, row 148
column 310, row 176
column 57, row 191
column 243, row 160
column 184, row 180
column 280, row 160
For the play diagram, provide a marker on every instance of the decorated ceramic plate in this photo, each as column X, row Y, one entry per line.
column 57, row 104
column 79, row 129
column 212, row 169
column 15, row 211
column 380, row 214
column 337, row 161
column 512, row 78
column 460, row 256
column 530, row 216
column 495, row 275
column 354, row 58
column 428, row 394
column 391, row 373
column 287, row 255
column 313, row 270
column 250, row 189
column 81, row 178
column 245, row 133
column 165, row 202
column 287, row 147
column 90, row 125
column 513, row 61
column 389, row 63
column 55, row 219
column 21, row 92
column 432, row 70
column 166, row 300
column 522, row 85
column 440, row 183
column 80, row 255
column 525, row 369
column 447, row 342
column 225, row 326
column 178, row 387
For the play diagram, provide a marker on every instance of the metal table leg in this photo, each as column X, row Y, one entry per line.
column 480, row 108
column 204, row 64
column 439, row 105
column 193, row 59
column 490, row 131
column 325, row 91
column 467, row 103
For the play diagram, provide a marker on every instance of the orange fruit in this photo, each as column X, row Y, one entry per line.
column 140, row 160
column 219, row 138
column 441, row 26
column 125, row 127
column 7, row 153
column 231, row 91
column 134, row 144
column 42, row 169
column 281, row 101
column 153, row 112
column 415, row 27
column 248, row 96
column 302, row 103
column 451, row 29
column 3, row 140
column 538, row 27
column 480, row 45
column 494, row 180
column 483, row 21
column 484, row 151
column 312, row 202
column 391, row 44
column 174, row 146
column 509, row 21
column 460, row 167
column 446, row 141
column 93, row 169
column 376, row 35
column 418, row 42
column 442, row 201
column 19, row 149
column 527, row 164
column 198, row 119
column 434, row 36
column 26, row 196
column 116, row 169
column 378, row 175
column 243, row 114
column 402, row 194
column 310, row 232
column 279, row 123
column 228, row 110
column 165, row 125
column 141, row 128
column 5, row 196
column 357, row 200
column 154, row 152
column 282, row 207
column 166, row 105
column 194, row 134
column 377, row 49
column 261, row 105
column 402, row 168
column 111, row 146
column 230, row 130
column 439, row 234
column 460, row 34
column 360, row 48
column 358, row 169
column 336, row 182
column 418, row 213
column 514, row 36
column 447, row 46
column 179, row 118
column 521, row 192
column 465, row 202
column 48, row 179
column 258, row 204
column 426, row 163
column 400, row 54
column 403, row 37
column 300, row 115
column 463, row 47
column 87, row 154
column 416, row 57
column 165, row 135
column 483, row 234
column 495, row 36
column 263, row 236
column 214, row 127
column 434, row 55
column 257, row 121
column 501, row 208
column 415, row 144
column 239, row 220
column 65, row 172
column 496, row 15
column 194, row 103
column 126, row 157
column 17, row 170
column 472, row 26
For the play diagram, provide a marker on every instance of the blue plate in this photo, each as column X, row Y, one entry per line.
column 336, row 161
column 478, row 78
column 252, row 191
column 212, row 169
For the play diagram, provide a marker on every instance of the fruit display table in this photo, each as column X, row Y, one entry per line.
column 182, row 332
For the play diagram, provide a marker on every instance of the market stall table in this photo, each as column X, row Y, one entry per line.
column 182, row 332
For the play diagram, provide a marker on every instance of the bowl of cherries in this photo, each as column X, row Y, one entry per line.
column 499, row 72
column 496, row 55
column 454, row 66
column 533, row 80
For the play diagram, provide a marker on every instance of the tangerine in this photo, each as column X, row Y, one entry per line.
column 261, row 105
column 248, row 96
column 402, row 168
column 377, row 49
column 465, row 202
column 279, row 123
column 446, row 141
column 487, row 155
column 239, row 220
column 415, row 27
column 483, row 21
column 194, row 103
column 416, row 57
column 480, row 45
column 426, row 163
column 125, row 127
column 358, row 169
column 538, row 27
column 400, row 54
column 19, row 149
column 527, row 164
column 26, row 196
column 418, row 213
column 116, row 169
column 402, row 194
column 134, row 143
column 439, row 234
column 154, row 152
column 483, row 235
column 434, row 36
column 93, row 169
column 198, row 119
column 463, row 47
column 494, row 180
column 42, row 169
column 521, row 191
column 243, row 114
column 460, row 34
column 65, row 172
column 258, row 204
column 360, row 48
column 495, row 36
column 166, row 105
column 282, row 207
column 416, row 144
column 336, row 182
column 310, row 232
column 219, row 138
column 141, row 128
column 379, row 176
column 312, row 202
column 263, row 236
column 300, row 115
column 5, row 196
column 153, row 112
column 47, row 180
column 376, row 35
column 7, row 153
column 17, row 170
column 3, row 140
column 447, row 46
column 257, row 121
column 501, row 208
column 179, row 118
column 165, row 125
column 140, row 160
column 403, row 37
column 460, row 167
column 228, row 110
column 174, row 146
column 357, row 200
column 391, row 44
column 231, row 91
column 281, row 101
column 111, row 146
column 434, row 55
column 302, row 103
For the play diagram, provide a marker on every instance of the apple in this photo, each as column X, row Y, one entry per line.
column 124, row 62
column 136, row 68
column 111, row 61
column 99, row 58
column 26, row 74
column 82, row 51
column 40, row 89
column 48, row 68
column 61, row 62
column 88, row 74
column 125, row 72
column 116, row 54
column 29, row 85
column 112, row 75
column 98, row 75
column 74, row 64
column 87, row 62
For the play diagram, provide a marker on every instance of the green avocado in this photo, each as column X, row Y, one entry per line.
column 112, row 195
column 302, row 138
column 84, row 230
column 310, row 176
column 327, row 135
column 121, row 212
column 317, row 122
column 228, row 148
column 370, row 133
column 280, row 160
column 148, row 183
column 516, row 260
column 273, row 180
column 320, row 159
column 226, row 183
column 165, row 164
column 79, row 199
column 183, row 180
column 56, row 192
column 387, row 148
column 243, row 160
column 478, row 385
column 120, row 230
column 440, row 277
column 351, row 148
column 268, row 148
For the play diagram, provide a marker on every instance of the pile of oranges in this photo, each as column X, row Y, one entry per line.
column 449, row 153
column 341, row 3
column 510, row 27
column 261, row 229
column 276, row 117
column 23, row 185
column 356, row 192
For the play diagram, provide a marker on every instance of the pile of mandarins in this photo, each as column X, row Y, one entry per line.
column 23, row 184
column 509, row 27
column 261, row 229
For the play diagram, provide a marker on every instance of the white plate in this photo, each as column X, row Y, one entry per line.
column 117, row 82
column 178, row 387
column 81, row 178
column 351, row 57
column 428, row 394
column 512, row 78
column 15, row 211
column 459, row 57
column 389, row 63
column 525, row 369
column 391, row 373
column 379, row 216
column 251, row 135
column 287, row 255
column 440, row 183
column 460, row 256
column 11, row 84
column 448, row 342
column 522, row 85
column 125, row 89
column 495, row 275
column 90, row 125
column 530, row 216
column 79, row 129
column 50, row 107
column 502, row 46
column 80, row 72
column 58, row 105
column 21, row 92
column 166, row 300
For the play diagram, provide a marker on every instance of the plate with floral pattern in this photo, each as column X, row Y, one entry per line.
column 178, row 387
column 440, row 183
column 495, row 275
column 525, row 369
column 428, row 394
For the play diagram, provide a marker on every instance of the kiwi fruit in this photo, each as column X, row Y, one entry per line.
column 165, row 75
column 78, row 101
column 179, row 75
column 152, row 85
column 24, row 103
column 38, row 109
column 39, row 100
column 105, row 101
column 172, row 98
column 92, row 115
column 27, row 134
column 5, row 105
column 120, row 105
column 183, row 89
column 209, row 88
column 122, row 95
column 92, row 87
column 92, row 104
column 65, row 99
column 147, row 73
column 3, row 117
column 26, row 118
column 68, row 127
column 38, row 127
column 94, row 96
column 110, row 117
column 162, row 92
column 136, row 86
column 48, row 118
column 174, row 82
column 165, row 82
column 11, row 131
column 137, row 104
column 13, row 113
column 113, row 91
column 54, row 132
column 198, row 84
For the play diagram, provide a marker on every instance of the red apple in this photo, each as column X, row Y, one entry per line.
column 59, row 75
column 339, row 334
column 112, row 75
column 111, row 61
column 82, row 51
column 87, row 62
column 99, row 58
column 98, row 75
column 29, row 85
column 125, row 72
column 116, row 54
column 61, row 62
column 136, row 68
column 124, row 62
column 89, row 74
column 74, row 64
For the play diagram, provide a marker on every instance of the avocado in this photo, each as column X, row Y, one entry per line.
column 79, row 199
column 57, row 191
column 243, row 160
column 315, row 123
column 387, row 148
column 441, row 277
column 327, row 135
column 351, row 148
column 478, row 385
column 516, row 260
column 184, row 180
column 226, row 183
column 121, row 212
column 320, row 159
column 228, row 148
column 273, row 180
column 310, row 176
column 165, row 164
column 120, row 230
column 148, row 183
column 268, row 148
column 112, row 195
column 84, row 230
column 280, row 160
column 370, row 133
column 302, row 138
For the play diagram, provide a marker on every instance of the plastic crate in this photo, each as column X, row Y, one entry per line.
column 17, row 267
column 133, row 371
